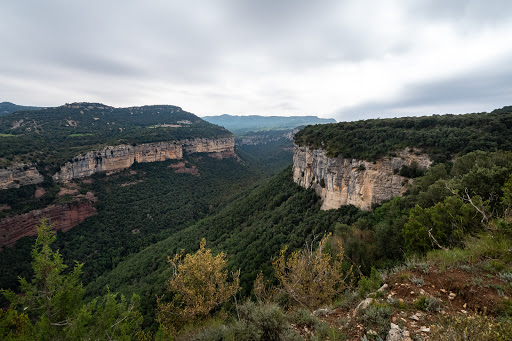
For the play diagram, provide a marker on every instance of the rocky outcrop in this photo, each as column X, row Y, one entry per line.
column 19, row 175
column 220, row 145
column 64, row 217
column 339, row 181
column 114, row 158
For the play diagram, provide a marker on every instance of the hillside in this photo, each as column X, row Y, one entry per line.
column 8, row 107
column 151, row 211
column 253, row 228
column 442, row 137
column 52, row 136
column 240, row 125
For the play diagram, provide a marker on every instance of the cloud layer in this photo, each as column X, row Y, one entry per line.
column 341, row 59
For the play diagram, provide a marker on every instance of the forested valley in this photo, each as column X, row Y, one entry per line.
column 233, row 249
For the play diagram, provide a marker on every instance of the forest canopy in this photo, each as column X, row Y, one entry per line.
column 440, row 136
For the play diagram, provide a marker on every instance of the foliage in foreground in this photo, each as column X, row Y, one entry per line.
column 51, row 308
column 313, row 277
column 472, row 327
column 199, row 283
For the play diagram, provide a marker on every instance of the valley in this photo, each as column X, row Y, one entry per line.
column 127, row 188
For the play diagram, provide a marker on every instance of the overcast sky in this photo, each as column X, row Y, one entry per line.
column 342, row 59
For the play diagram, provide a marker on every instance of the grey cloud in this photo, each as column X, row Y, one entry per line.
column 482, row 90
column 196, row 47
column 467, row 14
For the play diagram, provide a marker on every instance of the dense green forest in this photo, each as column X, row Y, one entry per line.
column 257, row 223
column 51, row 136
column 135, row 209
column 441, row 137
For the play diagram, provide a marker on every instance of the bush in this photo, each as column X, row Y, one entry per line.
column 369, row 284
column 199, row 283
column 428, row 303
column 312, row 277
column 472, row 327
column 377, row 317
column 262, row 322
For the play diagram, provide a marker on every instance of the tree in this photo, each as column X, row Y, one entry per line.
column 51, row 298
column 53, row 301
column 313, row 277
column 111, row 317
column 440, row 226
column 199, row 283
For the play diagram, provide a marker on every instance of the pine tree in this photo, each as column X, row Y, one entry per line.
column 51, row 298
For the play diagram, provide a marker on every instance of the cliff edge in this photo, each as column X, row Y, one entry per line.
column 339, row 181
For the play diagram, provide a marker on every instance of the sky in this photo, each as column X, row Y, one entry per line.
column 346, row 60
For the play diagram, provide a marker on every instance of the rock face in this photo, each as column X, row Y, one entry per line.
column 64, row 217
column 339, row 181
column 114, row 158
column 19, row 175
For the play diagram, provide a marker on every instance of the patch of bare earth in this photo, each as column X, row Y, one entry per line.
column 39, row 192
column 131, row 183
column 455, row 292
column 67, row 191
column 181, row 167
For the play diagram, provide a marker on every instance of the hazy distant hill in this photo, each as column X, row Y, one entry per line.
column 8, row 107
column 241, row 124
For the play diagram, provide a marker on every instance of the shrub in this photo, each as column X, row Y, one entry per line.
column 472, row 327
column 369, row 284
column 263, row 290
column 262, row 322
column 419, row 281
column 377, row 317
column 428, row 303
column 312, row 277
column 199, row 283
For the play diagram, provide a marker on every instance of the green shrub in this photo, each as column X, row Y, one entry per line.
column 377, row 317
column 472, row 327
column 369, row 284
column 419, row 281
column 304, row 318
column 428, row 303
column 262, row 322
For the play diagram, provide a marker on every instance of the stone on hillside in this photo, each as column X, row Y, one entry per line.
column 398, row 334
column 382, row 288
column 363, row 305
column 322, row 312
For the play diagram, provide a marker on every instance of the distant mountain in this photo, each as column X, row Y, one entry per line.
column 241, row 124
column 7, row 107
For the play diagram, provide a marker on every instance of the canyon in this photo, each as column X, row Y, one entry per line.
column 109, row 159
column 115, row 158
column 343, row 181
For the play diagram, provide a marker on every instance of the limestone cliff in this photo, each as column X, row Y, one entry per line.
column 114, row 158
column 339, row 181
column 19, row 175
column 64, row 217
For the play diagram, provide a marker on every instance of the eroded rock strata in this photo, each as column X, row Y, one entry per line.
column 114, row 158
column 339, row 181
column 19, row 175
column 64, row 217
